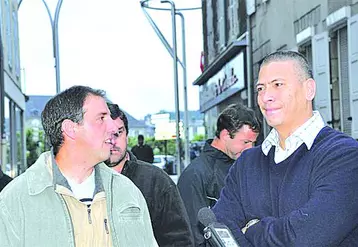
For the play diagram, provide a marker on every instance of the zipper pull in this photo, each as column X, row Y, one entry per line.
column 106, row 226
column 89, row 215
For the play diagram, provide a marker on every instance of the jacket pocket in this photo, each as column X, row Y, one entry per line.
column 131, row 213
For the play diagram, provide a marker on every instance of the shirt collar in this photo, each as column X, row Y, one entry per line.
column 306, row 133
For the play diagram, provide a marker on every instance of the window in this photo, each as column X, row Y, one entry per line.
column 7, row 150
column 8, row 33
column 1, row 18
column 15, row 38
column 13, row 159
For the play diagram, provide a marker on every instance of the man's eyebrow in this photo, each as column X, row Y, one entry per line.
column 102, row 114
column 272, row 81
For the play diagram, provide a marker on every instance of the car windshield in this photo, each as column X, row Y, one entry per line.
column 156, row 160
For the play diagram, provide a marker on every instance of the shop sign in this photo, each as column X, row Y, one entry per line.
column 226, row 82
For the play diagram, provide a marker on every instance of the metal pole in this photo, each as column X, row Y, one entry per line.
column 55, row 42
column 2, row 104
column 185, row 91
column 176, row 88
column 160, row 35
column 56, row 47
column 250, row 102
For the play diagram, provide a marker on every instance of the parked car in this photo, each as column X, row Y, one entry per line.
column 165, row 162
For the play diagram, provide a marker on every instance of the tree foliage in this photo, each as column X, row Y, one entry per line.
column 35, row 145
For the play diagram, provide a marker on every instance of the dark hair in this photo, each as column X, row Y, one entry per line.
column 234, row 117
column 140, row 137
column 304, row 69
column 116, row 112
column 65, row 105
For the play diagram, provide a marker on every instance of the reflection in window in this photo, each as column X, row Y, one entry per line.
column 19, row 139
column 7, row 154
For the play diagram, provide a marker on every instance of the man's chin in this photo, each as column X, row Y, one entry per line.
column 110, row 163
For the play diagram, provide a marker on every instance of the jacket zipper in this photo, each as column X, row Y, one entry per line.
column 89, row 215
column 106, row 226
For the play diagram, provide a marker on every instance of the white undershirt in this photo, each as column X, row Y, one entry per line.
column 83, row 190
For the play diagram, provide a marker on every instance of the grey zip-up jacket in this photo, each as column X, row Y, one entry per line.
column 33, row 214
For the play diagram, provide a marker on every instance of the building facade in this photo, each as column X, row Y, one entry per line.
column 12, row 99
column 325, row 31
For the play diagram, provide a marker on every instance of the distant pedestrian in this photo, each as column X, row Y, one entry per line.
column 143, row 151
column 4, row 180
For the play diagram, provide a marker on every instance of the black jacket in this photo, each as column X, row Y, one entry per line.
column 4, row 180
column 169, row 218
column 201, row 182
column 143, row 153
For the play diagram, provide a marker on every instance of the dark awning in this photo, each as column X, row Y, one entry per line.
column 231, row 51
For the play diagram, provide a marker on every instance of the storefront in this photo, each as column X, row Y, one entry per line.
column 12, row 99
column 222, row 84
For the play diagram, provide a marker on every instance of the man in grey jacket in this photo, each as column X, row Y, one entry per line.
column 69, row 197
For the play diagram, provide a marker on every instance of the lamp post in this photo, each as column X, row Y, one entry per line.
column 172, row 50
column 55, row 40
column 176, row 87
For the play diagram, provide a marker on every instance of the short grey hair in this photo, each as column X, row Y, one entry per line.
column 304, row 70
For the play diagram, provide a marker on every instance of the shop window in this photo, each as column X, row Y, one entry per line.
column 6, row 159
column 19, row 140
column 13, row 157
column 8, row 33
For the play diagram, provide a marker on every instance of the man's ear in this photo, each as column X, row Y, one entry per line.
column 69, row 128
column 310, row 89
column 224, row 134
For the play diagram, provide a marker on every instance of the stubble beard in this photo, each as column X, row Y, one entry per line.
column 110, row 163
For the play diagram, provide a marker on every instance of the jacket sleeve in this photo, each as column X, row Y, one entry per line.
column 8, row 235
column 192, row 190
column 174, row 223
column 229, row 210
column 148, row 225
column 326, row 219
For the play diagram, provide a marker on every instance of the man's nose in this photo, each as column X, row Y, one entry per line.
column 267, row 95
column 111, row 126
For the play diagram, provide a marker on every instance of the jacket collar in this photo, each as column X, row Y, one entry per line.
column 40, row 175
column 129, row 165
column 216, row 153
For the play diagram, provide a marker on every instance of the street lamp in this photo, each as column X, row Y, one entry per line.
column 173, row 52
column 55, row 41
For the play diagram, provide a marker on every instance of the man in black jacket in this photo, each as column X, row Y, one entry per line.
column 200, row 183
column 4, row 180
column 169, row 218
column 143, row 151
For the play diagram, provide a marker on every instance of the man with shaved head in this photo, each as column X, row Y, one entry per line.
column 299, row 187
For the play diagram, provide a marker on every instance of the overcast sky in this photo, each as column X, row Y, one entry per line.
column 109, row 44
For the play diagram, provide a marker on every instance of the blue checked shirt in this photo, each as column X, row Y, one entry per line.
column 304, row 134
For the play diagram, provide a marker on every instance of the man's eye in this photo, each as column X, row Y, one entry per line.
column 278, row 84
column 118, row 133
column 258, row 89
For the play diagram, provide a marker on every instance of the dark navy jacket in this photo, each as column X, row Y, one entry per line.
column 309, row 199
